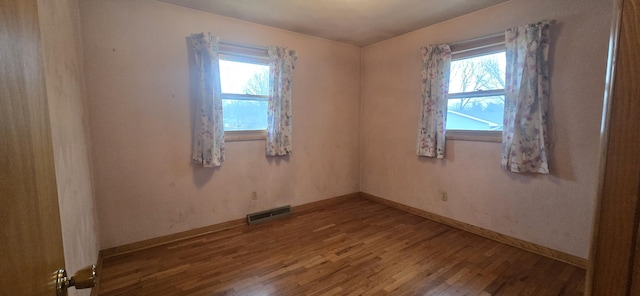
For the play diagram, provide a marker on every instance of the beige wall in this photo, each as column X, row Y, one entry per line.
column 136, row 66
column 554, row 211
column 62, row 48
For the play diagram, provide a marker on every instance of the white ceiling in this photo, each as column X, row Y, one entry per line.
column 358, row 22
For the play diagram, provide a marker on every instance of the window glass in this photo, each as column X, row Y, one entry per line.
column 482, row 113
column 476, row 93
column 245, row 90
column 241, row 115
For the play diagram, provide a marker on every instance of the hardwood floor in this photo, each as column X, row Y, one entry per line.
column 355, row 247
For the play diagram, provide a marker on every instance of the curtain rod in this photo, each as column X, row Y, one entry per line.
column 496, row 35
column 242, row 45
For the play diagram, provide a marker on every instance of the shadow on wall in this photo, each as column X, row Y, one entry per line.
column 201, row 175
column 277, row 159
column 558, row 154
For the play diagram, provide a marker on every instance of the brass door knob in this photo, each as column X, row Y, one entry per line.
column 84, row 278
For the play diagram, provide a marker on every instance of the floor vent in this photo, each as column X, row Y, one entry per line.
column 268, row 215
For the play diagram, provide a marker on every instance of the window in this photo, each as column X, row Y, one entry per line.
column 244, row 82
column 476, row 90
column 245, row 92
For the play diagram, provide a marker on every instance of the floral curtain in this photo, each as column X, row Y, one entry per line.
column 524, row 136
column 208, row 136
column 281, row 65
column 435, row 89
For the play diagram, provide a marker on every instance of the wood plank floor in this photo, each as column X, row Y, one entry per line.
column 355, row 247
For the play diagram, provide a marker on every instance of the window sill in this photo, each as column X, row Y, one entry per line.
column 237, row 136
column 478, row 136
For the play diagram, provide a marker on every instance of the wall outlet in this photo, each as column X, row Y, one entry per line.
column 254, row 195
column 443, row 196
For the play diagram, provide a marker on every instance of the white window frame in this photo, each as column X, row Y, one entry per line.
column 469, row 49
column 251, row 55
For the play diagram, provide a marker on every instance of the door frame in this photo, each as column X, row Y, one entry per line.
column 614, row 268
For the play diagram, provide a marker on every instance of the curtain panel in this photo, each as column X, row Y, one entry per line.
column 524, row 136
column 281, row 66
column 208, row 135
column 435, row 89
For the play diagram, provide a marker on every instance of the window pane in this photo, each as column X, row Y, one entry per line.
column 244, row 114
column 484, row 113
column 244, row 78
column 478, row 73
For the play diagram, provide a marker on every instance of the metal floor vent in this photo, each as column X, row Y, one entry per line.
column 268, row 215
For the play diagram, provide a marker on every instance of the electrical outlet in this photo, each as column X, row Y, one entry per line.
column 443, row 196
column 254, row 195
